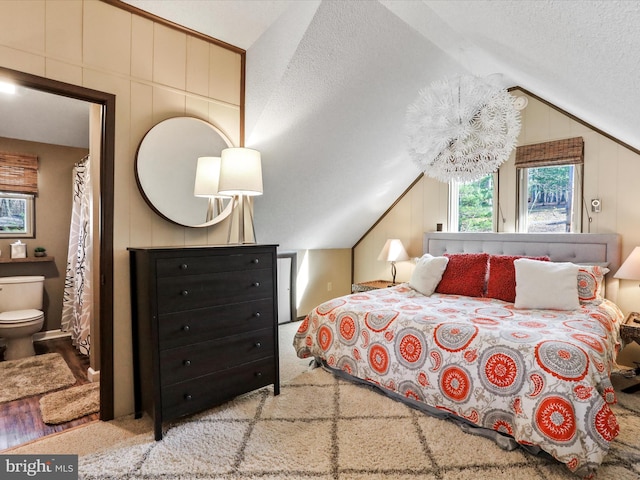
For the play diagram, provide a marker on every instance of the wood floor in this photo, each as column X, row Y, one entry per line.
column 21, row 421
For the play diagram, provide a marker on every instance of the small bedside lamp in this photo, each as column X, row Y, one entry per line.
column 393, row 251
column 630, row 269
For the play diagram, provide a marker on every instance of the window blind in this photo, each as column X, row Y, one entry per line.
column 558, row 152
column 18, row 173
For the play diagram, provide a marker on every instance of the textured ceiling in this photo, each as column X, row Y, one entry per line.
column 329, row 82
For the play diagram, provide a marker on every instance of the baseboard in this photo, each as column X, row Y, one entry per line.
column 49, row 335
column 40, row 336
column 93, row 375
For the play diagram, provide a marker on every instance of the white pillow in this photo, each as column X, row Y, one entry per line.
column 546, row 285
column 428, row 273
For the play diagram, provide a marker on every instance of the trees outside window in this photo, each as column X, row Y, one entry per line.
column 472, row 205
column 549, row 199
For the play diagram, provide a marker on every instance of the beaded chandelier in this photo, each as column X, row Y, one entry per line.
column 462, row 128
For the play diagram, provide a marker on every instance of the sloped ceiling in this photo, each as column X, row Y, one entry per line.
column 329, row 82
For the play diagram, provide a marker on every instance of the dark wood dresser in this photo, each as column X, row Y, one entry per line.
column 205, row 326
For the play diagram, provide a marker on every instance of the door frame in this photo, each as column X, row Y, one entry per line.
column 106, row 221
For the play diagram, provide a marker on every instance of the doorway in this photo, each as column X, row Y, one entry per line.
column 104, row 289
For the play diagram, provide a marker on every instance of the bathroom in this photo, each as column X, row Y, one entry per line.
column 49, row 229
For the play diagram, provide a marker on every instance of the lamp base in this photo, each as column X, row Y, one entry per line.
column 244, row 207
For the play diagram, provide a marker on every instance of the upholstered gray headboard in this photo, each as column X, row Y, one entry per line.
column 559, row 247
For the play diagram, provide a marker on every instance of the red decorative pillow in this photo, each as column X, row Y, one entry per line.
column 465, row 274
column 502, row 276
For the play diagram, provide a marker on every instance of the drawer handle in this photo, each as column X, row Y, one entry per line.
column 255, row 260
column 258, row 374
column 188, row 397
column 257, row 314
column 256, row 284
column 186, row 328
column 184, row 293
column 258, row 345
column 184, row 266
column 187, row 363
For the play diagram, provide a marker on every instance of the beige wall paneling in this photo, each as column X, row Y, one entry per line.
column 508, row 182
column 227, row 119
column 413, row 245
column 106, row 37
column 141, row 48
column 169, row 57
column 140, row 215
column 63, row 30
column 22, row 61
column 329, row 266
column 63, row 71
column 197, row 77
column 224, row 74
column 22, row 25
column 536, row 117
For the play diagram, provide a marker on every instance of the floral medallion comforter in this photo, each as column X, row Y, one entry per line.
column 540, row 376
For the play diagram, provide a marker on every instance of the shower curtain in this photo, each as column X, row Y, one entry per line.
column 77, row 297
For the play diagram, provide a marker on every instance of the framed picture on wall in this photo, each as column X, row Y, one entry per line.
column 17, row 214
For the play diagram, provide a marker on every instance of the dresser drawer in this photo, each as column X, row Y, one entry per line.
column 197, row 265
column 183, row 363
column 177, row 294
column 204, row 392
column 187, row 327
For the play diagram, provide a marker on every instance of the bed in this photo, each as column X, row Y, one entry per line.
column 508, row 362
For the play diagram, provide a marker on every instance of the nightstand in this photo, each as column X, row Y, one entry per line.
column 630, row 331
column 372, row 285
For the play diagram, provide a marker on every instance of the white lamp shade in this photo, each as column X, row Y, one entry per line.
column 630, row 269
column 240, row 172
column 393, row 251
column 207, row 177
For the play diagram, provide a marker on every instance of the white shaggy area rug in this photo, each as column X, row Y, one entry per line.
column 321, row 427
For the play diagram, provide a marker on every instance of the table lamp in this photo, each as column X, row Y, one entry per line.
column 206, row 184
column 393, row 251
column 630, row 268
column 241, row 177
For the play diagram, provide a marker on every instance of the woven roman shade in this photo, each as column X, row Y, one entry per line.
column 18, row 173
column 558, row 152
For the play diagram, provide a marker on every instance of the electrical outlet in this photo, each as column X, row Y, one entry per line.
column 329, row 286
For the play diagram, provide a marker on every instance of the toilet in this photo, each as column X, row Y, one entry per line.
column 20, row 314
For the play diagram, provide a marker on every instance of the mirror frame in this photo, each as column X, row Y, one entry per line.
column 157, row 141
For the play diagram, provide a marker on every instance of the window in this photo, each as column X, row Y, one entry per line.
column 16, row 215
column 18, row 187
column 550, row 186
column 473, row 205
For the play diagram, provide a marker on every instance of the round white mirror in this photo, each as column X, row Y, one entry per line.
column 166, row 165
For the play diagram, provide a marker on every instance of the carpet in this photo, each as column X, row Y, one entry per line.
column 322, row 427
column 319, row 428
column 33, row 375
column 71, row 403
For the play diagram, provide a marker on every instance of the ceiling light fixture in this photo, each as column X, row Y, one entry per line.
column 462, row 128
